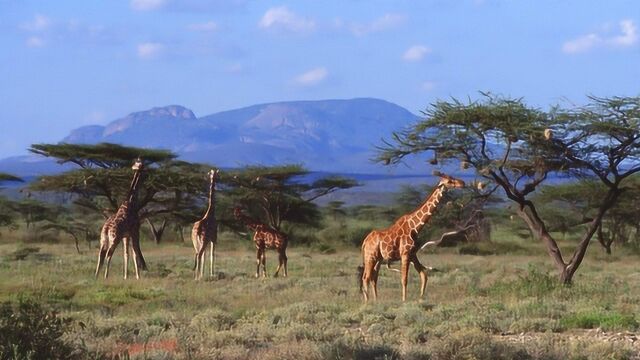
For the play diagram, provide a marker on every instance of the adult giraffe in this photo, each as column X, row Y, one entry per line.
column 124, row 226
column 205, row 231
column 397, row 242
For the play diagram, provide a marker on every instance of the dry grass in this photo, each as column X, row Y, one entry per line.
column 477, row 307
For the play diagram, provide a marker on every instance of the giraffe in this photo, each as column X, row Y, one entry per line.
column 124, row 226
column 265, row 237
column 397, row 242
column 205, row 231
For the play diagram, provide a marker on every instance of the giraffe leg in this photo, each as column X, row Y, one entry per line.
column 258, row 261
column 280, row 263
column 263, row 258
column 284, row 261
column 374, row 280
column 110, row 251
column 101, row 255
column 423, row 274
column 138, row 260
column 202, row 255
column 212, row 258
column 125, row 245
column 195, row 266
column 369, row 266
column 197, row 245
column 405, row 275
column 136, row 265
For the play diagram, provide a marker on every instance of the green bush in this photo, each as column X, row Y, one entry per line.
column 22, row 253
column 608, row 321
column 27, row 331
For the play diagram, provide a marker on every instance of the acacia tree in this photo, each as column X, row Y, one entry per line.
column 517, row 147
column 6, row 212
column 103, row 177
column 281, row 193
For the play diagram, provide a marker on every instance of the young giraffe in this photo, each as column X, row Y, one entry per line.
column 397, row 242
column 124, row 226
column 265, row 238
column 205, row 231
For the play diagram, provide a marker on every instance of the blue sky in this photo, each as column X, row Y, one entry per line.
column 65, row 64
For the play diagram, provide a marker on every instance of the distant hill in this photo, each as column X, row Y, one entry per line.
column 325, row 135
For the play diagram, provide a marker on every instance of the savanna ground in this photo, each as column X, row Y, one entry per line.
column 502, row 304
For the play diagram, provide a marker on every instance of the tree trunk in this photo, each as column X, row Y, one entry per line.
column 75, row 238
column 537, row 227
column 157, row 232
column 528, row 213
column 605, row 242
column 181, row 232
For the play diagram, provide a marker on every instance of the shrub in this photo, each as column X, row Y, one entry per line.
column 27, row 331
column 605, row 320
column 21, row 253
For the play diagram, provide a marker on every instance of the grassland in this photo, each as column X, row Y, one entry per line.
column 505, row 304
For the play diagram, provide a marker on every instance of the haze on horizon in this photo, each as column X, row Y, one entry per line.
column 66, row 64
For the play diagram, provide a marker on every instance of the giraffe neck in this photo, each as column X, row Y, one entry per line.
column 132, row 195
column 249, row 222
column 212, row 199
column 423, row 214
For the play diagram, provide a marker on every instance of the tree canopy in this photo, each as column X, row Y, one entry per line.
column 281, row 193
column 102, row 178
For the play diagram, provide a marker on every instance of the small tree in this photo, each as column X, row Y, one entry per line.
column 7, row 215
column 281, row 193
column 103, row 177
column 518, row 147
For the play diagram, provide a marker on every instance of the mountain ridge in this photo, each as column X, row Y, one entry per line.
column 324, row 135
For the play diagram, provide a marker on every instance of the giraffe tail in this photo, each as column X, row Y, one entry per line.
column 360, row 274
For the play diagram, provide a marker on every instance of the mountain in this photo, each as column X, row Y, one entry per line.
column 325, row 135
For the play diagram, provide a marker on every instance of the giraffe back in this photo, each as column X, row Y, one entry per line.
column 266, row 237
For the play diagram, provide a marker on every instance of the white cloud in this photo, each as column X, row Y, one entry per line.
column 38, row 24
column 386, row 22
column 312, row 77
column 209, row 26
column 147, row 5
column 150, row 50
column 283, row 19
column 628, row 37
column 416, row 53
column 581, row 44
column 629, row 34
column 35, row 42
column 428, row 85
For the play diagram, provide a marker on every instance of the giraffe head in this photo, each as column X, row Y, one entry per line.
column 448, row 181
column 213, row 174
column 237, row 212
column 138, row 165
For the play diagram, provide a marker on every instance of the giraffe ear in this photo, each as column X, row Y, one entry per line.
column 437, row 173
